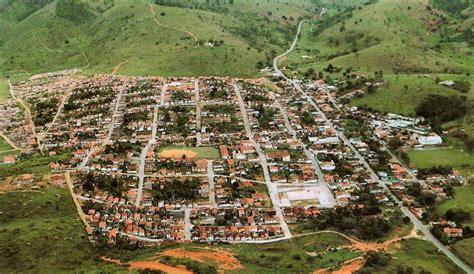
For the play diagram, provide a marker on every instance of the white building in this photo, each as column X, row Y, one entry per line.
column 430, row 139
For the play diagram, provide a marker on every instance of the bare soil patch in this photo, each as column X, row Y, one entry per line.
column 225, row 259
column 177, row 153
column 157, row 265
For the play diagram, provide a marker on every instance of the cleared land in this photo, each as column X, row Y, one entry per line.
column 189, row 152
column 396, row 38
column 42, row 233
column 453, row 157
column 419, row 255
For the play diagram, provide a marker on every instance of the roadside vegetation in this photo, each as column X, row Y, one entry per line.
column 41, row 232
column 31, row 163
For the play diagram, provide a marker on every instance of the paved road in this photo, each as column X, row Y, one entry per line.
column 315, row 162
column 212, row 189
column 109, row 134
column 187, row 224
column 406, row 212
column 151, row 142
column 272, row 188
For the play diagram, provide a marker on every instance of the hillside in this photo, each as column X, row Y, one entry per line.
column 147, row 39
column 393, row 36
column 414, row 44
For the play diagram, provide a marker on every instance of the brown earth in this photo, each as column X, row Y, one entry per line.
column 349, row 266
column 225, row 259
column 157, row 265
column 177, row 153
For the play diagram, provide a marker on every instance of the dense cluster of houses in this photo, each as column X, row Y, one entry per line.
column 118, row 128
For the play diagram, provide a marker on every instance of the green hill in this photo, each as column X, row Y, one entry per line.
column 99, row 35
column 393, row 36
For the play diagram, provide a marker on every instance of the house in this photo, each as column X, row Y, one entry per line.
column 453, row 232
column 201, row 166
column 9, row 159
column 282, row 155
column 224, row 152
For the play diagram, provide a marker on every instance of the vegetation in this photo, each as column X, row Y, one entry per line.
column 461, row 200
column 4, row 93
column 299, row 255
column 99, row 35
column 452, row 157
column 440, row 109
column 35, row 163
column 41, row 232
column 416, row 256
column 177, row 190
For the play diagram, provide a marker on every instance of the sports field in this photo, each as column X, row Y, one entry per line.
column 189, row 152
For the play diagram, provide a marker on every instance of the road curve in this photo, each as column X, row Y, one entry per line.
column 418, row 224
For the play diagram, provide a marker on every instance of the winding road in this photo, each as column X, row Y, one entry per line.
column 418, row 224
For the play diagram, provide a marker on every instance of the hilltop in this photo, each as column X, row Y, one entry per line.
column 234, row 38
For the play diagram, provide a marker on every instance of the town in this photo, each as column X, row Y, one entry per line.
column 209, row 159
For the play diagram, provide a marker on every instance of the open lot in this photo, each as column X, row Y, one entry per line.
column 419, row 255
column 453, row 157
column 190, row 152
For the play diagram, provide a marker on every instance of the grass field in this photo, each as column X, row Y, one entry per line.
column 419, row 255
column 402, row 93
column 465, row 249
column 292, row 256
column 42, row 233
column 453, row 157
column 4, row 145
column 191, row 152
column 4, row 93
column 462, row 199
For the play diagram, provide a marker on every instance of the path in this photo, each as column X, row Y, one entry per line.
column 374, row 176
column 195, row 38
column 70, row 186
column 11, row 143
column 87, row 59
column 117, row 67
column 187, row 224
column 272, row 188
column 23, row 104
